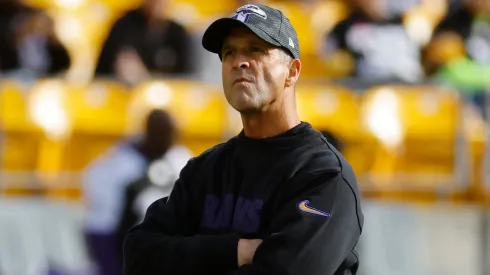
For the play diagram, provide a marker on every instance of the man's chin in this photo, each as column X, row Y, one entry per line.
column 248, row 109
column 245, row 104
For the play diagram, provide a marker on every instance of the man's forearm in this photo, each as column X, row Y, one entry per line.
column 153, row 253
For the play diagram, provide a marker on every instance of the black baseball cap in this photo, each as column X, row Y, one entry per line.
column 267, row 23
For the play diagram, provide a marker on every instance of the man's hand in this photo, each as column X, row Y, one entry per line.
column 246, row 250
column 130, row 67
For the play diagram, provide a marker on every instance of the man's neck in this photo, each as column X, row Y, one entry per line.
column 270, row 123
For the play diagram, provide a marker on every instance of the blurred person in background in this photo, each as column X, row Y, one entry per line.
column 463, row 32
column 374, row 36
column 11, row 11
column 459, row 52
column 145, row 42
column 28, row 41
column 106, row 180
column 156, row 183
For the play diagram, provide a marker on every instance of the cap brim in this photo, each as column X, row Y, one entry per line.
column 215, row 34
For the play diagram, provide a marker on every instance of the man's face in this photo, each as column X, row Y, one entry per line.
column 479, row 6
column 155, row 9
column 377, row 9
column 254, row 72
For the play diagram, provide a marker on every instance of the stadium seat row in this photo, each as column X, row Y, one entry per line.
column 83, row 25
column 399, row 139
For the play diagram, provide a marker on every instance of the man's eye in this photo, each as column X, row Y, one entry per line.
column 228, row 52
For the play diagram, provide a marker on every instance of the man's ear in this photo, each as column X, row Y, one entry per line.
column 294, row 71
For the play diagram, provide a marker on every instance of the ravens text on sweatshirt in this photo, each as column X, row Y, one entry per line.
column 294, row 191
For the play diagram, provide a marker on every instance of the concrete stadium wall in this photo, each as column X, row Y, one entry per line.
column 37, row 235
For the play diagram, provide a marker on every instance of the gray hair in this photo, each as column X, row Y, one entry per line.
column 286, row 56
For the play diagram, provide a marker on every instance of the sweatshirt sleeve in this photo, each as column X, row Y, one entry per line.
column 314, row 232
column 164, row 243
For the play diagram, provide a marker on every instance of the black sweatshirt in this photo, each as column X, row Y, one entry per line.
column 294, row 191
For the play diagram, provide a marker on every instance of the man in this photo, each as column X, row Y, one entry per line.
column 277, row 198
column 376, row 38
column 144, row 42
column 29, row 43
column 157, row 182
column 107, row 178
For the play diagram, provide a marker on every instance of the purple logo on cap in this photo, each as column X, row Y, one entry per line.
column 243, row 13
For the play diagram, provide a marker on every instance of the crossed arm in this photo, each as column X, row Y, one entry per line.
column 299, row 243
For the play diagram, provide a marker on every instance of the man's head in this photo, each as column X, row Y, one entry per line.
column 479, row 6
column 255, row 74
column 375, row 9
column 259, row 51
column 155, row 9
column 160, row 134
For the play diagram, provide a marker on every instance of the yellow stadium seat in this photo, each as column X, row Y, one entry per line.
column 120, row 6
column 420, row 139
column 20, row 140
column 71, row 5
column 312, row 20
column 99, row 107
column 299, row 14
column 14, row 115
column 95, row 118
column 477, row 137
column 98, row 115
column 84, row 119
column 80, row 122
column 196, row 15
column 326, row 14
column 199, row 110
column 44, row 4
column 336, row 109
column 20, row 135
column 483, row 187
column 48, row 111
column 421, row 20
column 211, row 8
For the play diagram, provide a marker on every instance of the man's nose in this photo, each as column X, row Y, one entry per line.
column 240, row 62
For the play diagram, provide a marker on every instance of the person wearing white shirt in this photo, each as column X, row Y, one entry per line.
column 106, row 179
